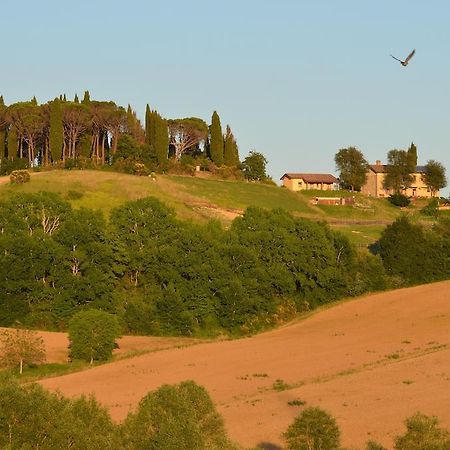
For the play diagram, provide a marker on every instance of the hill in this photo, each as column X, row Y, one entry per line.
column 371, row 362
column 201, row 199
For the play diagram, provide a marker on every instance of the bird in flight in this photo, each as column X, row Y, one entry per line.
column 406, row 61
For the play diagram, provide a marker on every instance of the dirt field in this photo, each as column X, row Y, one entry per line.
column 371, row 362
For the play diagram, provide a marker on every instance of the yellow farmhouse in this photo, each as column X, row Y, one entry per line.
column 308, row 181
column 377, row 173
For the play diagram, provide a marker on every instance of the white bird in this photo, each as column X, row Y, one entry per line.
column 406, row 61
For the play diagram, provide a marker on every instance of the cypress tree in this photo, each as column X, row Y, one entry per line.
column 412, row 155
column 231, row 152
column 216, row 140
column 56, row 135
column 76, row 99
column 34, row 101
column 2, row 129
column 161, row 139
column 148, row 125
column 86, row 98
column 64, row 98
column 12, row 143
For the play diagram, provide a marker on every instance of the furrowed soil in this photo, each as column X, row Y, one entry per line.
column 371, row 362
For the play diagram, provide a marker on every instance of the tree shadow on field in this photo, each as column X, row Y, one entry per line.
column 268, row 446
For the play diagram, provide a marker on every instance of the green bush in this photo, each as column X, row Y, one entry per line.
column 92, row 335
column 74, row 195
column 423, row 433
column 7, row 165
column 432, row 208
column 179, row 417
column 313, row 429
column 414, row 253
column 32, row 418
column 399, row 200
column 19, row 176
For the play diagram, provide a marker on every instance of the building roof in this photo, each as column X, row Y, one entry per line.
column 326, row 178
column 381, row 168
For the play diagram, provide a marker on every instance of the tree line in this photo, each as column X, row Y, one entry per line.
column 161, row 275
column 68, row 132
column 172, row 417
column 401, row 164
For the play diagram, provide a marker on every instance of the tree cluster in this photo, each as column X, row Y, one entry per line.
column 172, row 417
column 164, row 276
column 414, row 253
column 87, row 133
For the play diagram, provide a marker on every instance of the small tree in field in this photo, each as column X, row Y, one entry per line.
column 92, row 335
column 19, row 348
column 313, row 429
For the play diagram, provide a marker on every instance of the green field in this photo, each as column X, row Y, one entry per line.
column 199, row 199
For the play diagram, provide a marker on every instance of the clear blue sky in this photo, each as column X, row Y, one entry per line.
column 296, row 80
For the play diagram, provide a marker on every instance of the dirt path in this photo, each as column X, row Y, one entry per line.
column 371, row 362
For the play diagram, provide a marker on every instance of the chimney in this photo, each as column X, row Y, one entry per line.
column 378, row 162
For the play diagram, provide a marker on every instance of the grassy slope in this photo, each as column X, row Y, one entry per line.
column 200, row 199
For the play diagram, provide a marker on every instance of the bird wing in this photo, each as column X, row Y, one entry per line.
column 410, row 56
column 397, row 58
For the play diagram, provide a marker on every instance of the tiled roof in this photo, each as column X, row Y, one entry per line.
column 312, row 177
column 381, row 168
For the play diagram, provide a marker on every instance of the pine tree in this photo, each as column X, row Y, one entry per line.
column 56, row 135
column 76, row 99
column 216, row 140
column 231, row 152
column 86, row 98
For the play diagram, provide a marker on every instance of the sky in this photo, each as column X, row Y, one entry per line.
column 296, row 80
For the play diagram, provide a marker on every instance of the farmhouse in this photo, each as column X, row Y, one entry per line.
column 308, row 181
column 375, row 177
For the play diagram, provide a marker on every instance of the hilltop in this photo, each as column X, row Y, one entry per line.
column 201, row 199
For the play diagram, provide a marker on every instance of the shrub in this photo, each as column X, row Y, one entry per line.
column 399, row 200
column 313, row 429
column 175, row 418
column 74, row 195
column 432, row 208
column 423, row 433
column 32, row 418
column 19, row 176
column 92, row 335
column 7, row 165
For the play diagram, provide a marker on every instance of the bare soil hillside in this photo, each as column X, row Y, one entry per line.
column 371, row 362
